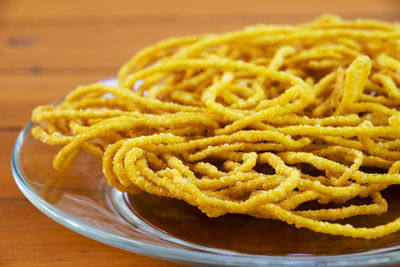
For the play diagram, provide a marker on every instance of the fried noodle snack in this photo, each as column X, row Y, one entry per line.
column 233, row 123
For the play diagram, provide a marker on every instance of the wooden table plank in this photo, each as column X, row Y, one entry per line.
column 85, row 46
column 47, row 9
column 9, row 189
column 19, row 94
column 103, row 45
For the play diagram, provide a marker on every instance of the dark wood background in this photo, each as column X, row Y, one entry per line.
column 49, row 47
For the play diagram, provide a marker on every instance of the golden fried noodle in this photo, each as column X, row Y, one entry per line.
column 233, row 123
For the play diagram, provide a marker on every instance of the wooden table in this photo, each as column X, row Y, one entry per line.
column 48, row 47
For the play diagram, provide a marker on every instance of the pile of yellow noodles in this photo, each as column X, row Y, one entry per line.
column 231, row 123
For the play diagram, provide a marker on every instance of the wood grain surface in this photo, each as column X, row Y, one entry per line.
column 49, row 47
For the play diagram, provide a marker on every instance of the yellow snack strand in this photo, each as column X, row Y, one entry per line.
column 256, row 121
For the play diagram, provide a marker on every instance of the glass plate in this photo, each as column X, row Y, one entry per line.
column 82, row 200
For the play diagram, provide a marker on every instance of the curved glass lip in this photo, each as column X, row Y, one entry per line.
column 384, row 256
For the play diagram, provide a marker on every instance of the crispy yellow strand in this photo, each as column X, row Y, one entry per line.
column 256, row 121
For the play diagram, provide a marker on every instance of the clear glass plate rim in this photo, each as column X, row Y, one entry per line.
column 384, row 256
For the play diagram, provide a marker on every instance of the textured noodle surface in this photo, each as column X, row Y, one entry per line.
column 255, row 121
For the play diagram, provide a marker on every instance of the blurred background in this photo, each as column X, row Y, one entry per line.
column 49, row 47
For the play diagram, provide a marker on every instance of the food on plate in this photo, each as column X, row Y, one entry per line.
column 256, row 121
